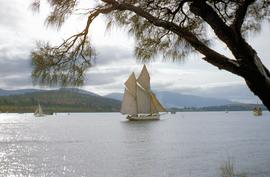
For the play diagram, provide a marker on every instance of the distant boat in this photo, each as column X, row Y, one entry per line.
column 173, row 112
column 39, row 112
column 139, row 102
column 257, row 111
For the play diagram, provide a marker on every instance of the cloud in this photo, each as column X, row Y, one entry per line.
column 107, row 55
column 11, row 14
column 19, row 29
column 18, row 66
column 15, row 72
column 12, row 82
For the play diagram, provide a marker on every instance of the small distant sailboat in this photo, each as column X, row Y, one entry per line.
column 39, row 112
column 139, row 102
column 257, row 111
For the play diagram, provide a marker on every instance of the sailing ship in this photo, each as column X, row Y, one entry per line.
column 139, row 102
column 257, row 111
column 39, row 112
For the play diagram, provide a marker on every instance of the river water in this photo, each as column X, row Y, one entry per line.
column 107, row 145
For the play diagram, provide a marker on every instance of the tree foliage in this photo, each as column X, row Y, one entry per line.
column 170, row 28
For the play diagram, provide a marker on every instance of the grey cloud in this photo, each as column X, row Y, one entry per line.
column 22, row 81
column 113, row 54
column 163, row 86
column 14, row 72
column 112, row 87
column 105, row 75
column 18, row 66
column 98, row 79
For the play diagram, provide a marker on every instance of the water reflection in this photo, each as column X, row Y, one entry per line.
column 108, row 145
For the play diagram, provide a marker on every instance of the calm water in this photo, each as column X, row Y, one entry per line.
column 106, row 145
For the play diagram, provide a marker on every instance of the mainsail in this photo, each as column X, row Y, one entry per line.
column 138, row 97
column 143, row 101
column 144, row 79
column 143, row 88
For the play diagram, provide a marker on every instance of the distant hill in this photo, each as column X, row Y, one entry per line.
column 62, row 100
column 78, row 100
column 232, row 107
column 172, row 99
column 76, row 90
column 116, row 96
column 17, row 92
column 238, row 93
column 23, row 91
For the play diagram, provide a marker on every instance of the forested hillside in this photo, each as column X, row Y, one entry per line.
column 58, row 101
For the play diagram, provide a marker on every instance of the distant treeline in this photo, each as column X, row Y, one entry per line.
column 58, row 101
column 233, row 107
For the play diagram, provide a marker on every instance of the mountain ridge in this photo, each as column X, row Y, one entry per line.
column 173, row 99
column 4, row 92
column 79, row 100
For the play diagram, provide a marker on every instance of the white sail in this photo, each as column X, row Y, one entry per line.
column 144, row 78
column 139, row 99
column 129, row 105
column 36, row 112
column 143, row 101
column 131, row 84
column 39, row 111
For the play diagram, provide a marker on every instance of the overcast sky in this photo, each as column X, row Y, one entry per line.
column 20, row 29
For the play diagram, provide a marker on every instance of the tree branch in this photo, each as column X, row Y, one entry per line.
column 209, row 15
column 240, row 15
column 211, row 56
column 66, row 64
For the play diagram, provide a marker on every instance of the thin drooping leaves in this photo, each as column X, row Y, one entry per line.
column 67, row 63
column 62, row 65
column 164, row 28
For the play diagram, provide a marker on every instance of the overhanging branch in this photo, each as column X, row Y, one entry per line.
column 240, row 15
column 211, row 56
column 67, row 63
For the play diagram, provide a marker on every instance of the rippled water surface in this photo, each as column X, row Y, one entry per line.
column 107, row 145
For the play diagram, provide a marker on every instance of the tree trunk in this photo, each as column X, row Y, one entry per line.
column 256, row 75
column 261, row 89
column 257, row 78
